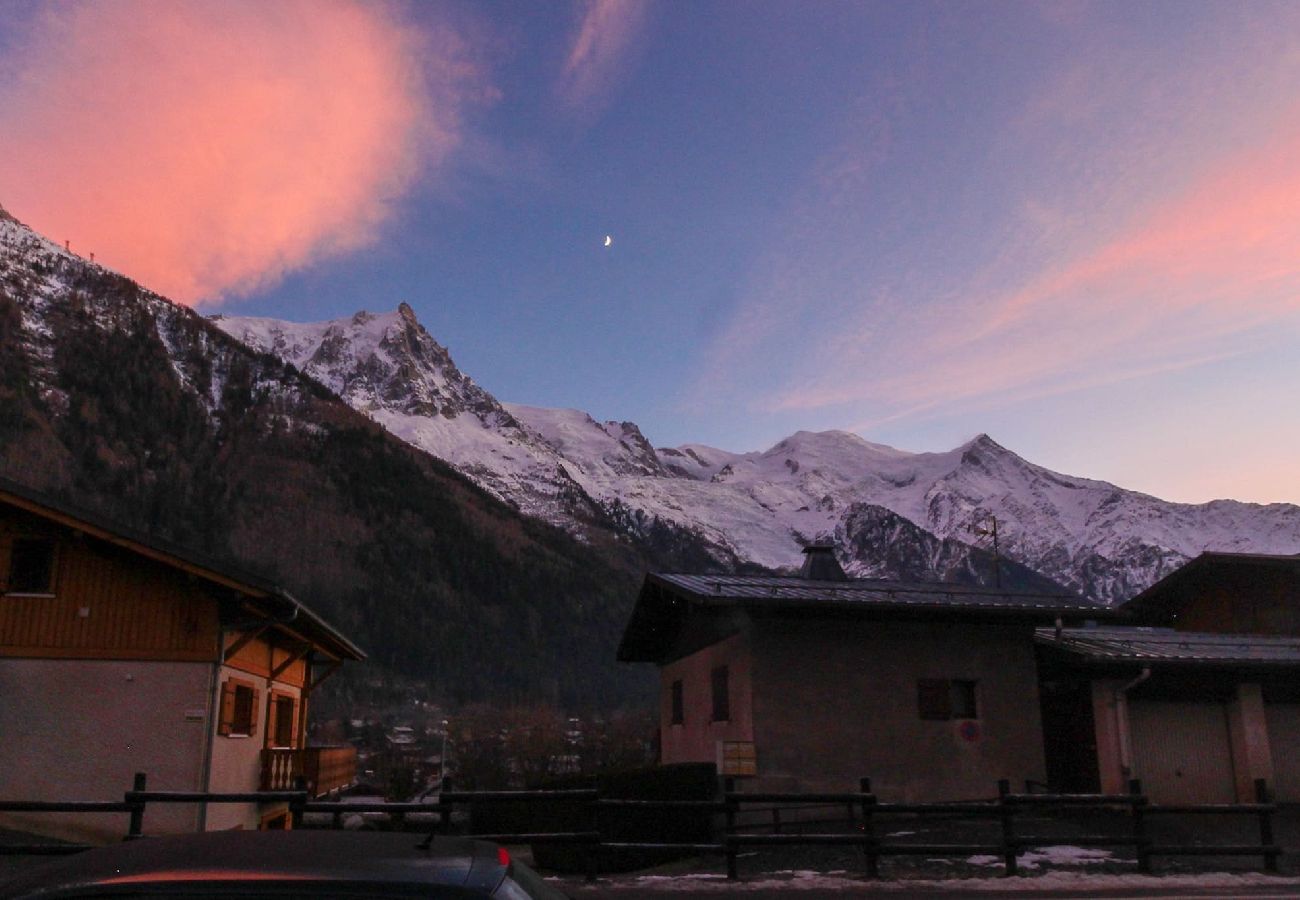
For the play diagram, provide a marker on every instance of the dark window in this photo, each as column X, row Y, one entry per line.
column 721, row 700
column 962, row 695
column 31, row 566
column 940, row 699
column 239, row 702
column 677, row 718
column 283, row 721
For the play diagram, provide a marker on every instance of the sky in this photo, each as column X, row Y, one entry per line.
column 1073, row 226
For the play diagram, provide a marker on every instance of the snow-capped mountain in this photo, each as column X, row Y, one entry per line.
column 390, row 368
column 761, row 507
column 118, row 402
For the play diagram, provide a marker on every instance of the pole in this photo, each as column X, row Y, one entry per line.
column 728, row 788
column 136, row 827
column 868, row 831
column 1009, row 847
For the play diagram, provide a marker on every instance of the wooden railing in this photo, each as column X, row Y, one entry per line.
column 325, row 768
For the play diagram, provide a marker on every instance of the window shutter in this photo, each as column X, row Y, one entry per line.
column 252, row 717
column 933, row 700
column 721, row 695
column 226, row 719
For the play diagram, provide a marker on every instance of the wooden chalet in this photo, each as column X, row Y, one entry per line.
column 120, row 653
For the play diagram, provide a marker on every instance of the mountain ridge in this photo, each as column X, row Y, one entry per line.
column 760, row 507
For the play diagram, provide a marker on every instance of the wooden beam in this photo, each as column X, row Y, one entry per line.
column 303, row 650
column 244, row 640
column 313, row 683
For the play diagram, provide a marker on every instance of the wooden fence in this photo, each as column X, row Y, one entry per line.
column 1012, row 811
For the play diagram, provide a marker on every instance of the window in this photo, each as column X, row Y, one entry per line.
column 677, row 718
column 962, row 694
column 31, row 566
column 941, row 699
column 282, row 732
column 239, row 703
column 721, row 701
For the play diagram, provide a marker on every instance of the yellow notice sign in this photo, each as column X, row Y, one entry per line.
column 737, row 758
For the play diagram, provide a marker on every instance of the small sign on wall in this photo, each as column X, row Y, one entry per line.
column 195, row 715
column 737, row 758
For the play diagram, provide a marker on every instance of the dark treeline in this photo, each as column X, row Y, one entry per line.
column 134, row 408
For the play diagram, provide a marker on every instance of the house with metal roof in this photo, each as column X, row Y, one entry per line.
column 121, row 653
column 810, row 682
column 1197, row 699
column 1194, row 716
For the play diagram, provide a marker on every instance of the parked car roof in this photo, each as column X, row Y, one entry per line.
column 302, row 863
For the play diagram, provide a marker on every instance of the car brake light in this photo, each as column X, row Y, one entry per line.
column 503, row 856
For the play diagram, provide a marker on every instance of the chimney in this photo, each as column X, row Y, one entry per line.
column 820, row 564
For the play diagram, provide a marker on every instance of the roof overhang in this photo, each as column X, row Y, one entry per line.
column 1175, row 587
column 1166, row 648
column 666, row 601
column 259, row 598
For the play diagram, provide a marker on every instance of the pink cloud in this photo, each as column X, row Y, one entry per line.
column 206, row 150
column 601, row 52
column 1185, row 283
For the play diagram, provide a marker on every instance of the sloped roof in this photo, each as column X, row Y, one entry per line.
column 665, row 598
column 876, row 593
column 1165, row 646
column 1174, row 586
column 303, row 620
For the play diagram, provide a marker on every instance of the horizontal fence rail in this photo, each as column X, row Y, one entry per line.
column 864, row 813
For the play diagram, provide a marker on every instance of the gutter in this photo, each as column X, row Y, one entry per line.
column 1122, row 721
column 214, row 685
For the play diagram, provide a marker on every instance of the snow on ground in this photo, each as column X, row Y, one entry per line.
column 802, row 880
column 1058, row 855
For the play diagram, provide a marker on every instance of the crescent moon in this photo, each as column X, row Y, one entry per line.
column 608, row 240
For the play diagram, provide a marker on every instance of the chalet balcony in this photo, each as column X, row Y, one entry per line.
column 325, row 768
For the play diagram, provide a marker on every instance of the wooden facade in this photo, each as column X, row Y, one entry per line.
column 160, row 661
column 1228, row 593
column 104, row 602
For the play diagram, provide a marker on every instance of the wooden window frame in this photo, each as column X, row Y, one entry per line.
column 677, row 707
column 229, row 724
column 51, row 581
column 720, row 688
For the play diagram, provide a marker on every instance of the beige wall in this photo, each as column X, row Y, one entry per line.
column 696, row 739
column 1185, row 751
column 81, row 729
column 237, row 760
column 835, row 700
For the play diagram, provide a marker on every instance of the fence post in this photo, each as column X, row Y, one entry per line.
column 1266, row 825
column 136, row 827
column 593, row 847
column 444, row 805
column 868, row 829
column 1141, row 841
column 1006, row 807
column 728, row 788
column 297, row 803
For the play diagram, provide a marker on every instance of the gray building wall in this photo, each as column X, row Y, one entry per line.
column 81, row 729
column 834, row 700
